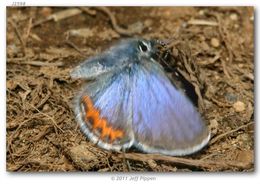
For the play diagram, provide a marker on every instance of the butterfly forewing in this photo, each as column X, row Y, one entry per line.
column 164, row 120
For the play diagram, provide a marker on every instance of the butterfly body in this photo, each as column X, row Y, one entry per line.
column 131, row 102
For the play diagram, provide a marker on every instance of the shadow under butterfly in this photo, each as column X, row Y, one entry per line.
column 131, row 102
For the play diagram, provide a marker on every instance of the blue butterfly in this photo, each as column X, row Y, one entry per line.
column 131, row 102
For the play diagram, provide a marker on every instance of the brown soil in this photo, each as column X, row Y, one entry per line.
column 42, row 134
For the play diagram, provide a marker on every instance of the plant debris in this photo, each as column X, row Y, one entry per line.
column 211, row 47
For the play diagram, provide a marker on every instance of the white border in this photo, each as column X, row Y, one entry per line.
column 176, row 152
column 68, row 179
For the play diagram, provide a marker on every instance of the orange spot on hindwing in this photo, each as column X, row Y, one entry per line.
column 92, row 114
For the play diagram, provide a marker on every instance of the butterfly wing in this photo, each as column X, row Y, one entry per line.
column 164, row 120
column 104, row 112
column 131, row 101
column 92, row 68
column 112, row 60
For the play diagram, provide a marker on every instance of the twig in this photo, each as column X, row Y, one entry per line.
column 216, row 165
column 109, row 166
column 43, row 133
column 226, row 42
column 247, row 75
column 36, row 63
column 75, row 47
column 223, row 63
column 217, row 138
column 64, row 14
column 210, row 62
column 49, row 117
column 28, row 31
column 43, row 101
column 59, row 16
column 209, row 156
column 126, row 162
column 14, row 124
column 18, row 35
column 202, row 22
column 114, row 22
column 194, row 81
column 40, row 164
column 219, row 103
column 75, row 11
column 42, row 21
column 88, row 11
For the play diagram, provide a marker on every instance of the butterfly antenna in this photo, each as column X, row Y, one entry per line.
column 165, row 42
column 164, row 62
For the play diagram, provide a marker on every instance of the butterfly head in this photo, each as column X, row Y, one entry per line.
column 146, row 50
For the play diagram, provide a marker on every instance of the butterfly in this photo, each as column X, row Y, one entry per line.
column 130, row 102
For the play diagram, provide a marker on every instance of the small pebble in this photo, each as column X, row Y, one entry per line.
column 46, row 11
column 230, row 97
column 175, row 52
column 201, row 12
column 152, row 163
column 148, row 22
column 233, row 17
column 46, row 108
column 239, row 106
column 214, row 42
column 240, row 65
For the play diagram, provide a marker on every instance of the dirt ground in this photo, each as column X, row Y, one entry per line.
column 45, row 43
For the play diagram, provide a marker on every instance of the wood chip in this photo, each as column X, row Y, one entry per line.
column 202, row 22
column 82, row 32
column 245, row 156
column 65, row 14
column 83, row 158
column 239, row 106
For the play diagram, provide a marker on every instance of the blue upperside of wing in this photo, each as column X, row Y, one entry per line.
column 163, row 117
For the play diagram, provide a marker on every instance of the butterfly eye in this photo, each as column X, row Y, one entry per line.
column 143, row 47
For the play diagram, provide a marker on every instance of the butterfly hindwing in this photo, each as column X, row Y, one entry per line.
column 104, row 112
